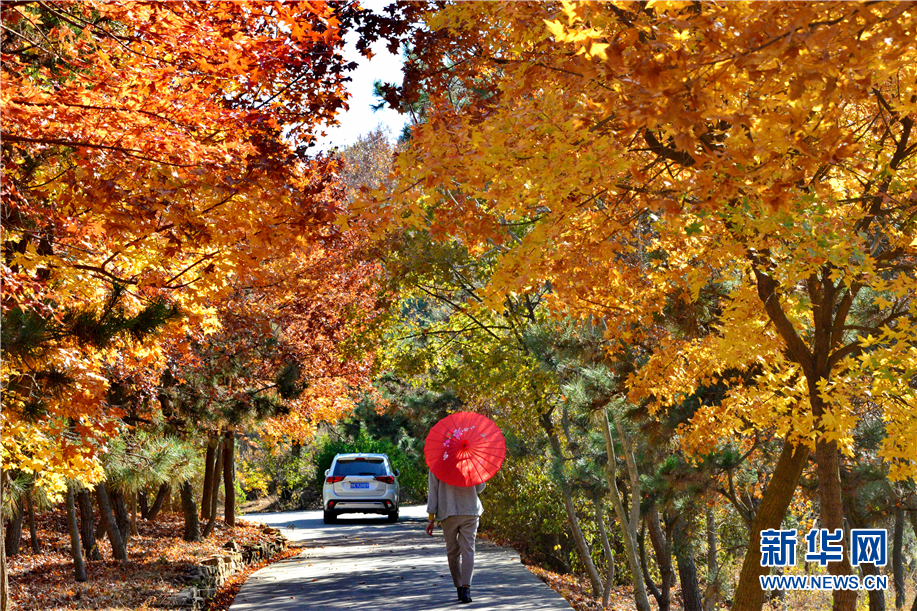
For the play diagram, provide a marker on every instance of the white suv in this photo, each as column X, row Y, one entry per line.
column 361, row 483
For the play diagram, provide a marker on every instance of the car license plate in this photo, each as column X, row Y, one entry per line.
column 359, row 485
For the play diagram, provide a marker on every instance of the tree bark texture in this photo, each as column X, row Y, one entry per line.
column 876, row 597
column 582, row 545
column 100, row 533
column 898, row 558
column 143, row 502
column 912, row 515
column 118, row 544
column 122, row 517
column 13, row 534
column 215, row 491
column 628, row 523
column 158, row 503
column 209, row 463
column 79, row 569
column 4, row 578
column 606, row 547
column 87, row 526
column 189, row 508
column 33, row 530
column 827, row 457
column 774, row 504
column 687, row 569
column 229, row 477
column 133, row 513
column 712, row 593
column 663, row 557
column 644, row 568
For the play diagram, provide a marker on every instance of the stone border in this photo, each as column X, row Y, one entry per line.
column 213, row 572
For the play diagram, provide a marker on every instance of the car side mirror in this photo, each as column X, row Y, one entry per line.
column 397, row 472
column 327, row 471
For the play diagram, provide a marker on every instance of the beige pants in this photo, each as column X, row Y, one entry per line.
column 460, row 532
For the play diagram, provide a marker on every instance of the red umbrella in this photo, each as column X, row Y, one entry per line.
column 465, row 449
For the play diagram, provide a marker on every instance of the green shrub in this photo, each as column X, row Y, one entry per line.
column 267, row 467
column 524, row 508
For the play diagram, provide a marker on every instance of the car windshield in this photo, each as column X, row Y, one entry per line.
column 365, row 466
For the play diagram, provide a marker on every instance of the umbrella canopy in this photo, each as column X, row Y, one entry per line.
column 465, row 449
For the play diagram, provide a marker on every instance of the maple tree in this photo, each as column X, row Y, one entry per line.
column 287, row 356
column 644, row 159
column 293, row 346
column 156, row 169
column 726, row 190
column 161, row 148
column 367, row 162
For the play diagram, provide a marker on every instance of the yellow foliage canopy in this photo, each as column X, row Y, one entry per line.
column 732, row 183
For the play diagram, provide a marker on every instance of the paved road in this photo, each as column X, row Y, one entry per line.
column 363, row 562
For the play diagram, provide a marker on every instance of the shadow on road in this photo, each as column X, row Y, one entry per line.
column 365, row 562
column 343, row 521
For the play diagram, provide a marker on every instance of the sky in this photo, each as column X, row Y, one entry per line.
column 361, row 118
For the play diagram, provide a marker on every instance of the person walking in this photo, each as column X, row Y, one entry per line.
column 458, row 510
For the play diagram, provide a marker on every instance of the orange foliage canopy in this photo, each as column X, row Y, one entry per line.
column 290, row 348
column 730, row 186
column 748, row 165
column 160, row 148
column 156, row 129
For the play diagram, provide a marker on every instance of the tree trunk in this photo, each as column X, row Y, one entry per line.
column 684, row 560
column 122, row 517
column 118, row 545
column 215, row 495
column 606, row 546
column 831, row 512
column 628, row 526
column 814, row 361
column 133, row 512
column 663, row 557
column 209, row 463
column 644, row 567
column 100, row 533
column 189, row 508
column 87, row 526
column 143, row 501
column 4, row 578
column 898, row 558
column 912, row 515
column 876, row 597
column 774, row 504
column 229, row 477
column 158, row 502
column 712, row 593
column 79, row 569
column 33, row 531
column 14, row 531
column 582, row 545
